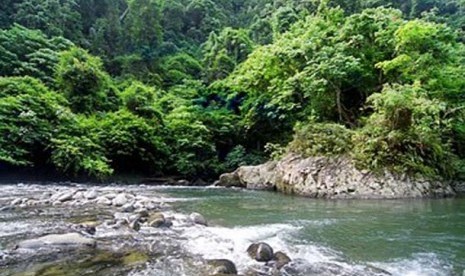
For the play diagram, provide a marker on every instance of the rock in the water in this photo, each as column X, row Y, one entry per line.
column 135, row 225
column 7, row 208
column 280, row 259
column 120, row 200
column 230, row 180
column 92, row 194
column 103, row 201
column 198, row 219
column 221, row 266
column 183, row 182
column 128, row 207
column 261, row 252
column 70, row 239
column 17, row 201
column 156, row 220
column 66, row 196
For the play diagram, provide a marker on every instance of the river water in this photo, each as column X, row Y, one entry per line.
column 402, row 237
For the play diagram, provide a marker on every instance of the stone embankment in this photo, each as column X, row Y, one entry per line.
column 332, row 178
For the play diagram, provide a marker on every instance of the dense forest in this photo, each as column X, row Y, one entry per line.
column 198, row 87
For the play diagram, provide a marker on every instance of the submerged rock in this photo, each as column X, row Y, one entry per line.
column 221, row 267
column 261, row 252
column 58, row 240
column 280, row 259
column 198, row 219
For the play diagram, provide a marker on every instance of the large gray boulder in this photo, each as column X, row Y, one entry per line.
column 332, row 178
column 58, row 240
column 261, row 177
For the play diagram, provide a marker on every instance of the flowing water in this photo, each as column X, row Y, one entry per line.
column 354, row 237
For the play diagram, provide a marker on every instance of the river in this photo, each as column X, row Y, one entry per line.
column 401, row 237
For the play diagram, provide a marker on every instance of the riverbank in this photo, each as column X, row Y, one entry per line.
column 333, row 178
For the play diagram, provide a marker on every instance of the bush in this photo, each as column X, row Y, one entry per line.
column 238, row 156
column 140, row 100
column 317, row 139
column 77, row 148
column 29, row 114
column 115, row 141
column 87, row 87
column 406, row 133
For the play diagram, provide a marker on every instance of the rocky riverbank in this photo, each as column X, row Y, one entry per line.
column 332, row 178
column 111, row 230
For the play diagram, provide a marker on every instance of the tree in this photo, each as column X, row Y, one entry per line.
column 83, row 81
column 37, row 55
column 53, row 17
column 223, row 52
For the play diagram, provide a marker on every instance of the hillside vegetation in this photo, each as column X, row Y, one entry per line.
column 198, row 87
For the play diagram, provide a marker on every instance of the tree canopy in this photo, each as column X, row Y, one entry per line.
column 197, row 87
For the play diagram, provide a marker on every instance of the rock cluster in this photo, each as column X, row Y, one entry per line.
column 127, row 202
column 263, row 252
column 332, row 178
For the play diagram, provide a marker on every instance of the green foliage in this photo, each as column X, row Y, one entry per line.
column 76, row 149
column 26, row 52
column 239, row 156
column 320, row 139
column 140, row 100
column 193, row 151
column 406, row 133
column 133, row 143
column 53, row 17
column 99, row 145
column 29, row 114
column 81, row 78
column 180, row 67
column 194, row 87
column 223, row 52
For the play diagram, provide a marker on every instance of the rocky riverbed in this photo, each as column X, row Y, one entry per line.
column 81, row 230
column 134, row 230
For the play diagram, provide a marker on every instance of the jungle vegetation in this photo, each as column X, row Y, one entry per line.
column 198, row 87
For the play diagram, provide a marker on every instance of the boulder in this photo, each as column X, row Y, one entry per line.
column 92, row 194
column 230, row 180
column 17, row 201
column 157, row 220
column 280, row 259
column 135, row 225
column 58, row 240
column 333, row 178
column 103, row 201
column 221, row 267
column 66, row 196
column 119, row 200
column 128, row 207
column 198, row 219
column 261, row 252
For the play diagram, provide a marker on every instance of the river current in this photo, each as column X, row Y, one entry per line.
column 402, row 237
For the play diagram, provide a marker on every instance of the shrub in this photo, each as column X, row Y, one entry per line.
column 316, row 139
column 29, row 114
column 406, row 133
